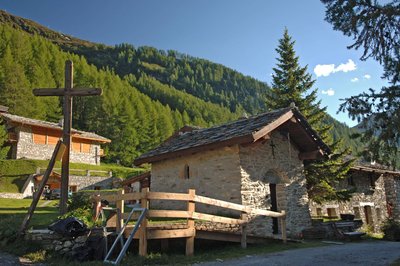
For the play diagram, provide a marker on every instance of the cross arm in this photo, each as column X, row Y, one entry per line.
column 71, row 92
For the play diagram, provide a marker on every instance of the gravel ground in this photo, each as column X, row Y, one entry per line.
column 362, row 253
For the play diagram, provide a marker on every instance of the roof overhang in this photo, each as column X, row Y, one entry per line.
column 288, row 121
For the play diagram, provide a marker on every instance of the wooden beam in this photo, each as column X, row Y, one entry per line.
column 217, row 219
column 168, row 214
column 168, row 196
column 38, row 193
column 143, row 228
column 273, row 125
column 176, row 233
column 311, row 155
column 191, row 208
column 63, row 92
column 221, row 203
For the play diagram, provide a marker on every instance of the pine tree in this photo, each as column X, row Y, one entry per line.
column 292, row 83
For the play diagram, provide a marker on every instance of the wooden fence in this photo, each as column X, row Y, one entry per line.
column 189, row 231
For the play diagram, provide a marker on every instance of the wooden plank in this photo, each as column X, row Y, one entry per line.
column 143, row 227
column 283, row 226
column 63, row 92
column 168, row 196
column 217, row 219
column 221, row 203
column 266, row 213
column 168, row 214
column 243, row 240
column 120, row 209
column 271, row 126
column 191, row 208
column 176, row 233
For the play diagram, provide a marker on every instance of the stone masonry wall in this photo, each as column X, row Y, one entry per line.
column 366, row 199
column 261, row 167
column 214, row 173
column 392, row 187
column 90, row 182
column 27, row 149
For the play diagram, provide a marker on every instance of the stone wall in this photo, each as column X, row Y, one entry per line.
column 260, row 166
column 366, row 200
column 91, row 182
column 214, row 173
column 392, row 187
column 55, row 242
column 27, row 149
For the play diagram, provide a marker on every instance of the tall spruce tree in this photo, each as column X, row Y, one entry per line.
column 292, row 83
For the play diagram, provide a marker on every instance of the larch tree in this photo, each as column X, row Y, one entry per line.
column 293, row 84
column 375, row 29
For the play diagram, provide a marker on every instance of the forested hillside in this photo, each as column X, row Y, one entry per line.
column 148, row 93
column 132, row 120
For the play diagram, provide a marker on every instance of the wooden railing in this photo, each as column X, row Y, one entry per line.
column 190, row 213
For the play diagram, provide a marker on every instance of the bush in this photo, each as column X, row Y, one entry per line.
column 79, row 200
column 391, row 230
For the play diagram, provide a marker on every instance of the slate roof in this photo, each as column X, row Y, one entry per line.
column 34, row 122
column 239, row 129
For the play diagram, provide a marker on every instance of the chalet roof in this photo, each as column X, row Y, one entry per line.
column 246, row 130
column 39, row 123
column 372, row 169
column 137, row 178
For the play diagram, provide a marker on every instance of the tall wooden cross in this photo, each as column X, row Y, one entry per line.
column 67, row 93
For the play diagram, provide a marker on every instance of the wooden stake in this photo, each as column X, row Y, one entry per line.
column 143, row 227
column 243, row 240
column 191, row 209
column 38, row 193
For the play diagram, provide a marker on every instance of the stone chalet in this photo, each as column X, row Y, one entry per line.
column 36, row 139
column 376, row 197
column 256, row 161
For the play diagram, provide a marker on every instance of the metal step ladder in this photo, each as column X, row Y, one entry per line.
column 129, row 239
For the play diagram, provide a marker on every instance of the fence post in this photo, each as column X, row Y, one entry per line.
column 143, row 227
column 283, row 226
column 120, row 209
column 191, row 209
column 243, row 239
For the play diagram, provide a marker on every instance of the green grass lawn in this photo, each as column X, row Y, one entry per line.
column 13, row 211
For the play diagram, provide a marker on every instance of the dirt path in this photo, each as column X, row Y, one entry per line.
column 362, row 253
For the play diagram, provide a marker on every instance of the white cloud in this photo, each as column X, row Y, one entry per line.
column 326, row 70
column 354, row 80
column 366, row 76
column 349, row 66
column 329, row 92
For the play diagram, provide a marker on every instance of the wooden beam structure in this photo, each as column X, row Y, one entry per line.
column 67, row 92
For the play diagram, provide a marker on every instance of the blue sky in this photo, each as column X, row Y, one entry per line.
column 241, row 34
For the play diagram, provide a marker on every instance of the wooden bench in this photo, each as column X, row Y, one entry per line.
column 346, row 230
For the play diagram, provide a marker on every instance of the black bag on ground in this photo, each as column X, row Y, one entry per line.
column 70, row 226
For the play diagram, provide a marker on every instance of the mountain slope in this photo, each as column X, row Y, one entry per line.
column 153, row 92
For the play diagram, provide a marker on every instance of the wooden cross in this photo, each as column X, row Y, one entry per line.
column 67, row 93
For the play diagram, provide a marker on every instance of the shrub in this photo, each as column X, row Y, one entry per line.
column 391, row 230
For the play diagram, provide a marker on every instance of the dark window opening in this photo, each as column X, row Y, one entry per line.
column 350, row 180
column 371, row 180
column 97, row 188
column 187, row 172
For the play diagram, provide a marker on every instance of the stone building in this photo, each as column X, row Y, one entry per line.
column 376, row 197
column 256, row 161
column 36, row 139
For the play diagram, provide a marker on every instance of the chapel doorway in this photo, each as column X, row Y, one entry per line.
column 368, row 215
column 274, row 207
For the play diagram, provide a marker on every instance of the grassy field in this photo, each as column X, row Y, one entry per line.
column 13, row 173
column 12, row 212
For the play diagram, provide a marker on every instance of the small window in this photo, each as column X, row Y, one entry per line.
column 186, row 172
column 319, row 212
column 97, row 188
column 350, row 180
column 371, row 180
column 331, row 212
column 356, row 212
